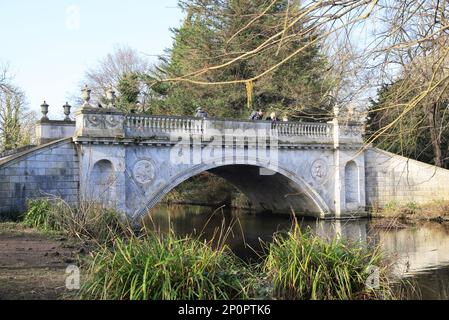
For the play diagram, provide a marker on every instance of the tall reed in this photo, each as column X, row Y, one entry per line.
column 88, row 220
column 157, row 266
column 304, row 266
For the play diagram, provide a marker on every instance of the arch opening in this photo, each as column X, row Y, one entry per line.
column 352, row 188
column 272, row 191
column 268, row 191
column 102, row 180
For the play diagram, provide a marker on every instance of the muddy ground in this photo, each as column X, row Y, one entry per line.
column 33, row 264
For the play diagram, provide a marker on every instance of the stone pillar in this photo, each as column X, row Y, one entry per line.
column 99, row 123
column 337, row 165
column 101, row 157
column 92, row 122
column 49, row 130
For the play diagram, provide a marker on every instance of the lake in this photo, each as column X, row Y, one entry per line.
column 421, row 250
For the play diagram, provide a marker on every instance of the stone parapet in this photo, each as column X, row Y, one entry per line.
column 51, row 130
column 95, row 124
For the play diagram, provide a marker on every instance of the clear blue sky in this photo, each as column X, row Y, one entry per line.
column 49, row 44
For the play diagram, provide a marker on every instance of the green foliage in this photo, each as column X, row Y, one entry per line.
column 303, row 266
column 39, row 215
column 129, row 90
column 204, row 188
column 209, row 36
column 165, row 267
column 298, row 265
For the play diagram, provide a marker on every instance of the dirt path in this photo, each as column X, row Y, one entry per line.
column 32, row 265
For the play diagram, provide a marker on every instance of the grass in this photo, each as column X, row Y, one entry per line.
column 433, row 210
column 40, row 215
column 158, row 266
column 303, row 266
column 88, row 221
column 297, row 265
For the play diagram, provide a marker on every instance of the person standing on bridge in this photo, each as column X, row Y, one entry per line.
column 272, row 117
column 256, row 115
column 200, row 113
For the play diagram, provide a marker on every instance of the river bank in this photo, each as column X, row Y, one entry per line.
column 33, row 263
column 437, row 211
column 132, row 264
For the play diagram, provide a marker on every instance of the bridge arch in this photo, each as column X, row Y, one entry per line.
column 282, row 189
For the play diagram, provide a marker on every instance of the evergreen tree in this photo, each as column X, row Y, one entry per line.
column 215, row 32
column 129, row 90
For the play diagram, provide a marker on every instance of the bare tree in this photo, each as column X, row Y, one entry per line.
column 16, row 121
column 122, row 63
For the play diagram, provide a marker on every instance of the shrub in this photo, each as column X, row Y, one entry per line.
column 39, row 215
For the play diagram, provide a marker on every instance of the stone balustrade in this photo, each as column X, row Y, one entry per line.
column 93, row 123
column 153, row 124
column 150, row 123
column 303, row 129
column 98, row 123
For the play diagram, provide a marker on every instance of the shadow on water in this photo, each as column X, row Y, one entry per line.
column 422, row 250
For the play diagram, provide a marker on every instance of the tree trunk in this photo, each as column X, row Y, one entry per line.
column 434, row 134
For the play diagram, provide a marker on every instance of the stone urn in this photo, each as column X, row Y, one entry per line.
column 67, row 111
column 86, row 96
column 44, row 111
column 110, row 96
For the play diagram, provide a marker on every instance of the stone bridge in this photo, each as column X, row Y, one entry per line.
column 130, row 161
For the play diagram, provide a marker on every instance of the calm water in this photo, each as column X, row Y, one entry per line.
column 422, row 251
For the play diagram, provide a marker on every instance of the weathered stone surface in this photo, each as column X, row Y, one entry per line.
column 129, row 162
column 392, row 178
column 50, row 170
column 50, row 130
column 280, row 166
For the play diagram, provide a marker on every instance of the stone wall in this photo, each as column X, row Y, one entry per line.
column 48, row 170
column 395, row 179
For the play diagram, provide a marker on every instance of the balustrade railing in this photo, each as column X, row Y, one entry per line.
column 167, row 124
column 303, row 129
column 164, row 123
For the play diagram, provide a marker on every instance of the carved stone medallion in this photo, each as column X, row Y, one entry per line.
column 103, row 121
column 143, row 171
column 319, row 169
